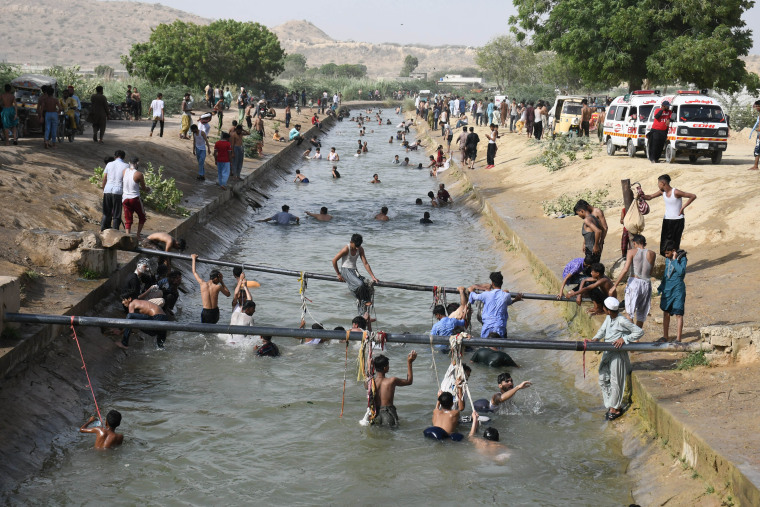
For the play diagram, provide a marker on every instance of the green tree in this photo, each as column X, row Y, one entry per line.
column 506, row 61
column 294, row 65
column 224, row 51
column 104, row 71
column 410, row 63
column 611, row 41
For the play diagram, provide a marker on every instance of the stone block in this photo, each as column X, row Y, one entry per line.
column 61, row 251
column 111, row 238
column 10, row 297
column 99, row 260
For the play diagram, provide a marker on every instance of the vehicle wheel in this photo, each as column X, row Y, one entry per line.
column 693, row 159
column 631, row 149
column 670, row 154
column 716, row 157
column 610, row 147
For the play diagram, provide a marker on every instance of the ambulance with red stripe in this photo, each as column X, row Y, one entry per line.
column 698, row 127
column 626, row 121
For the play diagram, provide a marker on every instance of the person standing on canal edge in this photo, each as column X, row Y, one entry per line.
column 674, row 221
column 210, row 294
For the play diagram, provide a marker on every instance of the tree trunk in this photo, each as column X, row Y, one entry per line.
column 627, row 193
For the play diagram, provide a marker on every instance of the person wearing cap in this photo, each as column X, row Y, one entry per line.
column 658, row 135
column 284, row 217
column 615, row 365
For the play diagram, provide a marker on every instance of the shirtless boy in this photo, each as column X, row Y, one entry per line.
column 164, row 240
column 383, row 215
column 385, row 389
column 322, row 216
column 140, row 309
column 105, row 437
column 210, row 294
column 446, row 417
column 9, row 118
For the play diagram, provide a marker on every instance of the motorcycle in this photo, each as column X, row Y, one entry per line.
column 116, row 111
column 266, row 111
column 64, row 128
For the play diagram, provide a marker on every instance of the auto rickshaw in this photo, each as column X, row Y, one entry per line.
column 28, row 89
column 565, row 115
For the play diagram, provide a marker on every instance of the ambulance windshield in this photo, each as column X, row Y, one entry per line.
column 700, row 112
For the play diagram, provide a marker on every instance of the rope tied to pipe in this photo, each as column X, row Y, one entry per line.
column 585, row 341
column 457, row 349
column 84, row 367
column 303, row 284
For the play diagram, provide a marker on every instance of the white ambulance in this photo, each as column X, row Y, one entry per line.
column 626, row 121
column 698, row 126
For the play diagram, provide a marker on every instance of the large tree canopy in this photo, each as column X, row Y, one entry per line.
column 224, row 51
column 611, row 41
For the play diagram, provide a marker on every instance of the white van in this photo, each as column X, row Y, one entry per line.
column 626, row 121
column 698, row 127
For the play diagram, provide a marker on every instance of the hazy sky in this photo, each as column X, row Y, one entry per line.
column 468, row 23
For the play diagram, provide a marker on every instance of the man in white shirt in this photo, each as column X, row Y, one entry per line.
column 112, row 183
column 156, row 111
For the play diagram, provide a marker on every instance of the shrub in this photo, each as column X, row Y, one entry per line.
column 251, row 143
column 566, row 202
column 562, row 150
column 697, row 358
column 97, row 176
column 164, row 195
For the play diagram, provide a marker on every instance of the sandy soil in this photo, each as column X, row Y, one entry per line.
column 721, row 237
column 49, row 189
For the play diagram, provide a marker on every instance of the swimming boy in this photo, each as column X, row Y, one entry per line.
column 446, row 417
column 300, row 178
column 322, row 216
column 267, row 348
column 488, row 445
column 210, row 294
column 383, row 215
column 105, row 437
column 385, row 389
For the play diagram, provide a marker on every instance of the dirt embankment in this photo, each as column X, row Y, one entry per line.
column 715, row 404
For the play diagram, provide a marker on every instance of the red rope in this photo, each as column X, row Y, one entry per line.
column 84, row 367
column 584, row 357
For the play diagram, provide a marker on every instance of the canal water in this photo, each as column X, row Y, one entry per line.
column 208, row 423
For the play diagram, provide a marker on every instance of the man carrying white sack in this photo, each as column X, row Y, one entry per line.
column 615, row 366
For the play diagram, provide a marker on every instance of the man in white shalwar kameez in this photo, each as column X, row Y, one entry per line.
column 615, row 366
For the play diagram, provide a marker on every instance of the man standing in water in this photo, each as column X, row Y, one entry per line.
column 348, row 273
column 210, row 294
column 615, row 365
column 105, row 437
column 495, row 303
column 322, row 216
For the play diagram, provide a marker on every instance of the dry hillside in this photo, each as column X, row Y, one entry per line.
column 90, row 32
column 78, row 32
column 381, row 59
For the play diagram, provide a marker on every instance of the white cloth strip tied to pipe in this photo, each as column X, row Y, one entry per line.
column 456, row 373
column 432, row 355
column 304, row 299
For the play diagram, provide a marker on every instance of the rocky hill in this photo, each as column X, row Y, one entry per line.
column 78, row 32
column 381, row 59
column 90, row 33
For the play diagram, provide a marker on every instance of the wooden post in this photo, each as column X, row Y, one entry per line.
column 627, row 193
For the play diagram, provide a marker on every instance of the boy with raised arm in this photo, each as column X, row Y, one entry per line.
column 105, row 437
column 210, row 294
column 385, row 389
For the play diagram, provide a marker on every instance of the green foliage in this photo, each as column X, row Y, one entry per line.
column 349, row 70
column 739, row 109
column 70, row 76
column 348, row 87
column 32, row 274
column 566, row 202
column 225, row 50
column 164, row 194
column 104, row 71
column 710, row 490
column 686, row 41
column 251, row 144
column 8, row 73
column 410, row 63
column 506, row 60
column 89, row 274
column 97, row 176
column 559, row 152
column 697, row 358
column 294, row 65
column 116, row 91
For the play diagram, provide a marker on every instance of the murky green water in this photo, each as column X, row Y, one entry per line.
column 210, row 424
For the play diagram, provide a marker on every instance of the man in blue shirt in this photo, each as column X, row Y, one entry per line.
column 495, row 303
column 295, row 135
column 445, row 325
column 283, row 217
